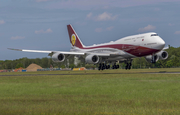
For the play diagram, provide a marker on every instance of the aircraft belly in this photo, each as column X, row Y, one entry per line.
column 114, row 58
column 120, row 58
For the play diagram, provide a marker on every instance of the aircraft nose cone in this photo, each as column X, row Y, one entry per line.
column 161, row 43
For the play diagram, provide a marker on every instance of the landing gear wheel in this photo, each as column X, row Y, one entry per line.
column 114, row 66
column 108, row 66
column 117, row 66
column 128, row 66
column 100, row 66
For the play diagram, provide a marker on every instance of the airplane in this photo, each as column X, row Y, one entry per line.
column 148, row 45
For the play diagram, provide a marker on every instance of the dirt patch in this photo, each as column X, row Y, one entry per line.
column 33, row 67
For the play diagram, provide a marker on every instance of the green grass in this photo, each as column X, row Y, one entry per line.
column 93, row 94
column 96, row 71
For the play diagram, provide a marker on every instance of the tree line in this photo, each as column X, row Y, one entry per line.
column 172, row 61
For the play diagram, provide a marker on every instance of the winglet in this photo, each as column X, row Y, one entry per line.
column 14, row 49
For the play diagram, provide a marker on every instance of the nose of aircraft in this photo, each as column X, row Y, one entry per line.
column 161, row 43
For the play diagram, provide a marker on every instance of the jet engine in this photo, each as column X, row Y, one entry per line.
column 162, row 55
column 150, row 58
column 58, row 57
column 92, row 59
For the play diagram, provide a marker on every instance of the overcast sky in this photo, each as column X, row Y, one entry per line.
column 42, row 24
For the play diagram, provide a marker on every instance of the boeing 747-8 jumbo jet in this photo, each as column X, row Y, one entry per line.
column 148, row 45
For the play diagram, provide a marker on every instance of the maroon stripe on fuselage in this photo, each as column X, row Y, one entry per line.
column 131, row 49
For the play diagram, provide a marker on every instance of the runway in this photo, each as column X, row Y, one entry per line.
column 85, row 73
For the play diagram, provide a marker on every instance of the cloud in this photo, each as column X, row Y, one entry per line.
column 106, row 29
column 89, row 15
column 177, row 32
column 2, row 22
column 101, row 17
column 105, row 16
column 17, row 37
column 109, row 28
column 98, row 30
column 170, row 24
column 42, row 31
column 147, row 28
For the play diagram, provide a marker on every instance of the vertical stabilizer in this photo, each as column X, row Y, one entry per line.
column 74, row 39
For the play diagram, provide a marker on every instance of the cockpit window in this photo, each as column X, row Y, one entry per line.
column 154, row 34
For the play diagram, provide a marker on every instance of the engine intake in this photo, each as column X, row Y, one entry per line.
column 58, row 57
column 162, row 55
column 92, row 59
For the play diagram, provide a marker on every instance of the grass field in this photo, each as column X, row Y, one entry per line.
column 131, row 92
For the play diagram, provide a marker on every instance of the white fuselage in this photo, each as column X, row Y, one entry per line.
column 127, row 47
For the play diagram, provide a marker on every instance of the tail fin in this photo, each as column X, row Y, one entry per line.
column 74, row 39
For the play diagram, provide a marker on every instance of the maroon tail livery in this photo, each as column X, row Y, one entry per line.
column 74, row 39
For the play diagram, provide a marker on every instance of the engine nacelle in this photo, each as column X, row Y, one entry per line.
column 92, row 59
column 149, row 58
column 58, row 57
column 162, row 55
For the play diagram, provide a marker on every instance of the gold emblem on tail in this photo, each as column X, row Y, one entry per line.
column 73, row 39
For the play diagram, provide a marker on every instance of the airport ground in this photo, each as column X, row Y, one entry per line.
column 109, row 92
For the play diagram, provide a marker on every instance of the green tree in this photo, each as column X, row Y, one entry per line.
column 19, row 65
column 169, row 63
column 44, row 63
column 71, row 65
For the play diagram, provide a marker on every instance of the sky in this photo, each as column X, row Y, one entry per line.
column 42, row 24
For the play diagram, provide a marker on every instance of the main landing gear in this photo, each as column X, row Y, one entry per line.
column 154, row 58
column 128, row 64
column 115, row 66
column 103, row 66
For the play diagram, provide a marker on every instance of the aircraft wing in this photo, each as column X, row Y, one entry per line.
column 165, row 48
column 119, row 53
column 48, row 52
